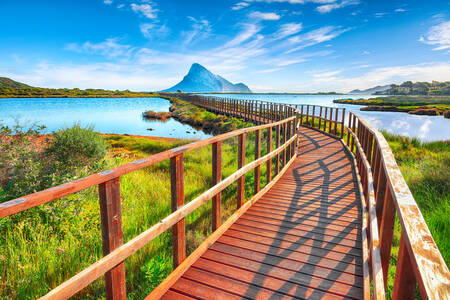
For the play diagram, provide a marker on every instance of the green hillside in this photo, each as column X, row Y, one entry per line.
column 7, row 82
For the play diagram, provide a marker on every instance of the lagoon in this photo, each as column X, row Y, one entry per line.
column 124, row 115
column 428, row 128
column 107, row 115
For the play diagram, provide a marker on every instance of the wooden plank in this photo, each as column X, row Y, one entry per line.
column 177, row 192
column 216, row 178
column 112, row 237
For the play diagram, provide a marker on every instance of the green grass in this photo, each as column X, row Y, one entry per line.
column 44, row 246
column 425, row 167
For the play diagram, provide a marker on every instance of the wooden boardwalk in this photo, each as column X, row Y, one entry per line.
column 301, row 240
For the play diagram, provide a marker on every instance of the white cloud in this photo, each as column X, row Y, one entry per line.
column 107, row 1
column 288, row 29
column 109, row 48
column 314, row 37
column 264, row 16
column 201, row 29
column 438, row 35
column 399, row 10
column 332, row 6
column 268, row 71
column 120, row 6
column 151, row 30
column 145, row 9
column 380, row 14
column 240, row 5
column 425, row 128
column 249, row 31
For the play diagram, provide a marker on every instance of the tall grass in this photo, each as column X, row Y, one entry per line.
column 37, row 255
column 425, row 167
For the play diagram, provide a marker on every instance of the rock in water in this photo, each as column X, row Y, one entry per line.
column 199, row 79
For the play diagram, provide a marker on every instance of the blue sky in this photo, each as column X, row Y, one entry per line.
column 271, row 45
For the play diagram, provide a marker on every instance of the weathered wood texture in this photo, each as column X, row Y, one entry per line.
column 302, row 239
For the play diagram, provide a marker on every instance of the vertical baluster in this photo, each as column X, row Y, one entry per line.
column 342, row 123
column 301, row 115
column 336, row 121
column 404, row 282
column 112, row 237
column 277, row 161
column 349, row 126
column 241, row 163
column 320, row 117
column 307, row 115
column 269, row 149
column 216, row 178
column 313, row 115
column 177, row 191
column 354, row 130
column 330, row 121
column 386, row 230
column 325, row 120
column 284, row 141
column 257, row 183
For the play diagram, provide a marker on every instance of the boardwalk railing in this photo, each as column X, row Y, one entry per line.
column 383, row 192
column 108, row 182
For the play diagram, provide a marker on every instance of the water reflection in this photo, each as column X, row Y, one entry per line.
column 108, row 115
column 426, row 127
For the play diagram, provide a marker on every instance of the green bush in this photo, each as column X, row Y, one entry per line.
column 72, row 149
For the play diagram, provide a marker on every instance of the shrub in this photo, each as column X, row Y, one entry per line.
column 72, row 149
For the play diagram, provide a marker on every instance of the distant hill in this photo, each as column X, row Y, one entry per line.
column 377, row 89
column 7, row 82
column 200, row 79
column 434, row 88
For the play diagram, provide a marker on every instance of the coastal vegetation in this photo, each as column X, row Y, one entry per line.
column 418, row 105
column 425, row 167
column 43, row 246
column 13, row 89
column 418, row 88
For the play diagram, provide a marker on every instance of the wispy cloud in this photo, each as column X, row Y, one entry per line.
column 400, row 10
column 240, row 5
column 249, row 30
column 438, row 35
column 110, row 48
column 107, row 1
column 314, row 37
column 152, row 30
column 147, row 10
column 288, row 29
column 332, row 6
column 201, row 28
column 271, row 16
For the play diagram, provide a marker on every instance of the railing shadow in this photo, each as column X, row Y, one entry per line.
column 323, row 197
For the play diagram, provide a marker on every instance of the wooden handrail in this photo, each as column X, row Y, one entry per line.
column 419, row 260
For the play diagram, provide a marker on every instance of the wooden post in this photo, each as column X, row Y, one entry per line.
column 312, row 117
column 307, row 115
column 277, row 161
column 257, row 183
column 342, row 123
column 320, row 117
column 349, row 126
column 301, row 115
column 216, row 178
column 112, row 237
column 330, row 120
column 404, row 282
column 241, row 163
column 284, row 141
column 269, row 149
column 386, row 230
column 353, row 129
column 336, row 121
column 177, row 191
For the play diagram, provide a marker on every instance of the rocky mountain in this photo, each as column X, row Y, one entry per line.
column 378, row 88
column 200, row 79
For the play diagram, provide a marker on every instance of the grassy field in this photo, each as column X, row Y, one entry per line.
column 40, row 248
column 425, row 167
column 38, row 251
column 428, row 105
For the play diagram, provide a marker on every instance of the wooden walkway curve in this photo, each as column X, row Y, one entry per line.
column 301, row 240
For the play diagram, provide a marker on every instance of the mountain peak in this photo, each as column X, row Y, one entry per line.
column 200, row 79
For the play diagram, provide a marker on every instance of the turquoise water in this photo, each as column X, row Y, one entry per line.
column 425, row 127
column 107, row 115
column 124, row 115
